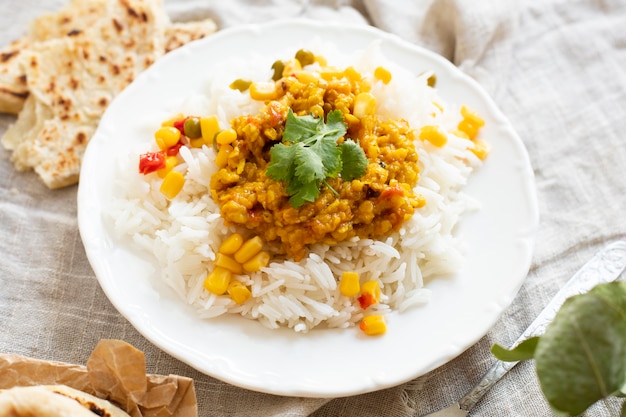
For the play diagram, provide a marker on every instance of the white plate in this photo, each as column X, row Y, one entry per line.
column 322, row 363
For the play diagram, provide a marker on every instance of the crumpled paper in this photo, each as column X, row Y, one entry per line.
column 115, row 371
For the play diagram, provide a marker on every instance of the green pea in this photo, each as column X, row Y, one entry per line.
column 192, row 128
column 241, row 85
column 278, row 67
column 305, row 57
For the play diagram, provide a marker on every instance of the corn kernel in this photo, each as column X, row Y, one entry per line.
column 370, row 294
column 351, row 120
column 170, row 163
column 209, row 126
column 306, row 77
column 352, row 74
column 382, row 74
column 221, row 160
column 469, row 128
column 171, row 121
column 480, row 149
column 373, row 325
column 321, row 60
column 291, row 67
column 472, row 117
column 330, row 74
column 258, row 261
column 226, row 137
column 433, row 134
column 349, row 284
column 172, row 184
column 217, row 281
column 250, row 248
column 196, row 143
column 166, row 137
column 231, row 244
column 364, row 105
column 263, row 91
column 226, row 262
column 238, row 292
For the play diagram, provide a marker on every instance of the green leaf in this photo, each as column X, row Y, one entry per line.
column 581, row 358
column 354, row 161
column 304, row 193
column 623, row 413
column 299, row 128
column 281, row 163
column 335, row 127
column 521, row 352
column 309, row 155
column 330, row 154
column 309, row 164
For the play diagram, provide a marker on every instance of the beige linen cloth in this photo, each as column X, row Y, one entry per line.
column 556, row 68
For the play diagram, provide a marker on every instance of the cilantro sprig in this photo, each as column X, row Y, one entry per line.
column 309, row 155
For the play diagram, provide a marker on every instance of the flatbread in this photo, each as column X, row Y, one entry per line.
column 65, row 72
column 178, row 34
column 13, row 88
column 54, row 401
column 73, row 17
column 96, row 405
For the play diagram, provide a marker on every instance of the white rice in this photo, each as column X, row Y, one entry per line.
column 185, row 234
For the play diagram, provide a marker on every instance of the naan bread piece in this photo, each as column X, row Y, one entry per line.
column 70, row 20
column 96, row 405
column 73, row 79
column 178, row 34
column 74, row 17
column 37, row 401
column 54, row 401
column 13, row 88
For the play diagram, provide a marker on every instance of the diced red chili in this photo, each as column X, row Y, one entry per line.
column 392, row 192
column 275, row 113
column 366, row 300
column 151, row 161
column 180, row 125
column 173, row 150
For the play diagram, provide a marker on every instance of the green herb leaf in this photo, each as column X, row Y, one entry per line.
column 302, row 193
column 521, row 352
column 582, row 356
column 281, row 164
column 354, row 162
column 298, row 128
column 309, row 155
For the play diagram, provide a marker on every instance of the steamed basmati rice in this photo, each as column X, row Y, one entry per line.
column 184, row 234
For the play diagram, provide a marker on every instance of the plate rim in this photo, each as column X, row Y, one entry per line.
column 100, row 269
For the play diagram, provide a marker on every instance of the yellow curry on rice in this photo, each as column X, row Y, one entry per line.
column 315, row 165
column 370, row 206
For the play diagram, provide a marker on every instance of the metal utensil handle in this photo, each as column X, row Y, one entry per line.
column 605, row 266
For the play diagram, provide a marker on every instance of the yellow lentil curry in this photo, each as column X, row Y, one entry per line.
column 372, row 205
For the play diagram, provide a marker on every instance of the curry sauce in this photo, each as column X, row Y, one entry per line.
column 373, row 205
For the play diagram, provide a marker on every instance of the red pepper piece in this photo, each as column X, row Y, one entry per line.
column 366, row 300
column 173, row 150
column 151, row 161
column 391, row 192
column 180, row 125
